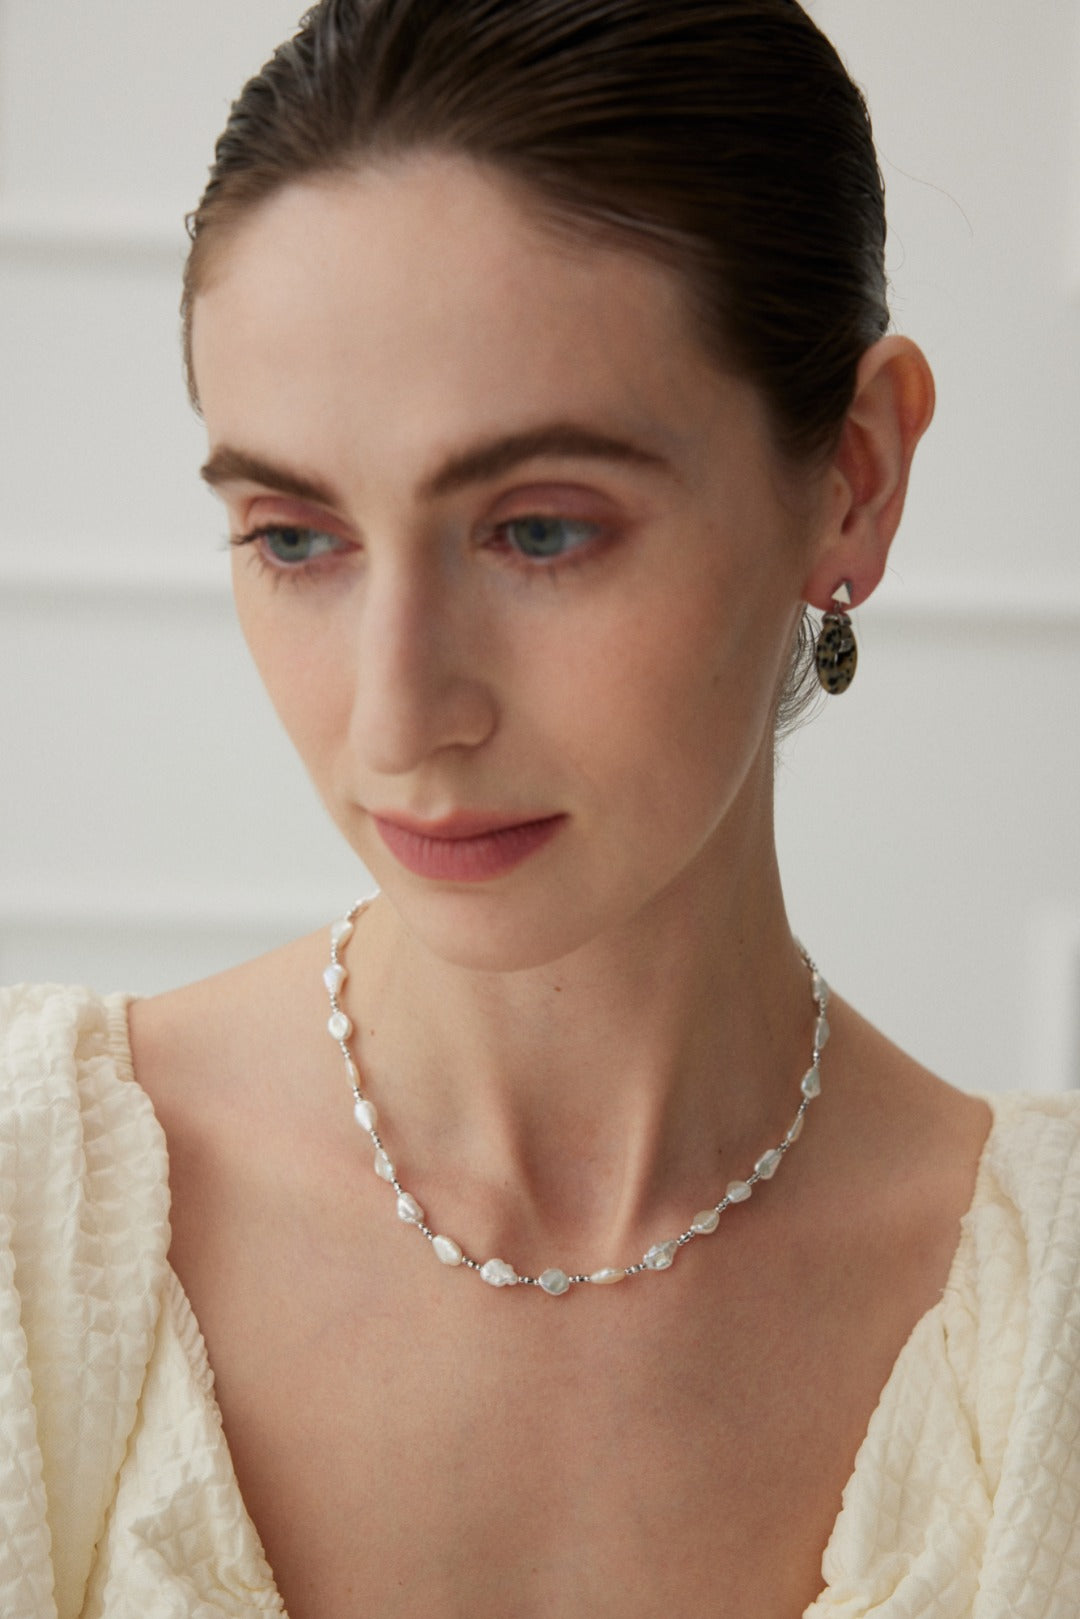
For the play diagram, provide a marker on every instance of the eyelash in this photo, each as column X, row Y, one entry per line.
column 297, row 573
column 307, row 572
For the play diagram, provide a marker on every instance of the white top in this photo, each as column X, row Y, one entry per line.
column 117, row 1491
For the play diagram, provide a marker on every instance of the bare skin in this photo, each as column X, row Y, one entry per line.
column 411, row 1443
column 403, row 376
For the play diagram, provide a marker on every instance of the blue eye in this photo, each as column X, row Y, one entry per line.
column 541, row 539
column 288, row 548
column 291, row 546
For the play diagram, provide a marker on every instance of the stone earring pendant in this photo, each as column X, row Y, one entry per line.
column 836, row 653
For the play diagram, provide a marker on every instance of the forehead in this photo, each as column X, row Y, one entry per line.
column 426, row 299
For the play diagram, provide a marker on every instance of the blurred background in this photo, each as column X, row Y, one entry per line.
column 154, row 825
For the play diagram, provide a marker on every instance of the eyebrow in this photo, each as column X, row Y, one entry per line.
column 480, row 462
column 228, row 465
column 501, row 455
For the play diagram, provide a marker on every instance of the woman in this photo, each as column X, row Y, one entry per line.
column 542, row 355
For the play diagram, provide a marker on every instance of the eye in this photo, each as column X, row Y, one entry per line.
column 287, row 545
column 544, row 539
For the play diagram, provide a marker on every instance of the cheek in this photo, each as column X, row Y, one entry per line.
column 298, row 665
column 687, row 666
column 662, row 712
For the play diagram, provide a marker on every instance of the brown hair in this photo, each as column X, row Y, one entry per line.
column 723, row 136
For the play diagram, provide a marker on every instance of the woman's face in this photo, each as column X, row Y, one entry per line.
column 513, row 550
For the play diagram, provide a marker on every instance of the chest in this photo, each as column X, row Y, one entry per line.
column 412, row 1443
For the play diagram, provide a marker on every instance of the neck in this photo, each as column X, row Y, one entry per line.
column 583, row 1101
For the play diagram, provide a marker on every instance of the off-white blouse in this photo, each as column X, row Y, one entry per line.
column 117, row 1491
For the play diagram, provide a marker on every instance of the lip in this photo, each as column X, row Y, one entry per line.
column 468, row 846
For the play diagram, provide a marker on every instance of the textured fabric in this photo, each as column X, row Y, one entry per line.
column 965, row 1498
column 117, row 1493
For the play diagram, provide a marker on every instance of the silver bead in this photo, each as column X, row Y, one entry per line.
column 447, row 1251
column 383, row 1167
column 706, row 1221
column 409, row 1210
column 334, row 976
column 339, row 1025
column 365, row 1114
column 660, row 1255
column 554, row 1281
column 811, row 1083
column 768, row 1163
column 738, row 1192
column 497, row 1273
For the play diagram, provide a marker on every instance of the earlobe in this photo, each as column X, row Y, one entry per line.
column 868, row 478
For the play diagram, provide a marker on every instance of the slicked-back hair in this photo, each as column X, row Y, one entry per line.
column 723, row 137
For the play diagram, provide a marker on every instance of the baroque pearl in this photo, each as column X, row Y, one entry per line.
column 660, row 1255
column 447, row 1251
column 609, row 1274
column 796, row 1129
column 821, row 1033
column 334, row 976
column 738, row 1192
column 811, row 1083
column 409, row 1209
column 820, row 990
column 554, row 1281
column 339, row 1025
column 498, row 1273
column 341, row 932
column 706, row 1221
column 365, row 1114
column 383, row 1167
column 768, row 1163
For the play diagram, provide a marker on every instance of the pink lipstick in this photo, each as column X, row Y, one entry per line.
column 465, row 848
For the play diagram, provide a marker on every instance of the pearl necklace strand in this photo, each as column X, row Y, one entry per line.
column 554, row 1281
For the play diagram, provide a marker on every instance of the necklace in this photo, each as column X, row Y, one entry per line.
column 555, row 1281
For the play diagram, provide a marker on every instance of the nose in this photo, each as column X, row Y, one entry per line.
column 419, row 683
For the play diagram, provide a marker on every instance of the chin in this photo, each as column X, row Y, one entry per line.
column 493, row 928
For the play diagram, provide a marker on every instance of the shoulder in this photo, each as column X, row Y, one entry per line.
column 227, row 1063
column 1029, row 1195
column 1015, row 1344
column 84, row 1236
column 1032, row 1160
column 193, row 1046
column 1020, row 1115
column 45, row 1023
column 82, row 1158
column 1014, row 1326
column 66, row 1088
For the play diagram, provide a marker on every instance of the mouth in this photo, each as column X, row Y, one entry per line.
column 467, row 846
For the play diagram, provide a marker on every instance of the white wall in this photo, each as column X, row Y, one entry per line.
column 927, row 819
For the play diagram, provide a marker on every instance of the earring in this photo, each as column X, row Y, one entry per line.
column 836, row 653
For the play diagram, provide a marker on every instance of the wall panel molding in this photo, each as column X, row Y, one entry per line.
column 108, row 231
column 978, row 601
column 69, row 577
column 1053, row 1002
column 163, row 910
column 65, row 574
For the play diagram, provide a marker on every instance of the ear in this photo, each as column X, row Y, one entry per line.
column 866, row 482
